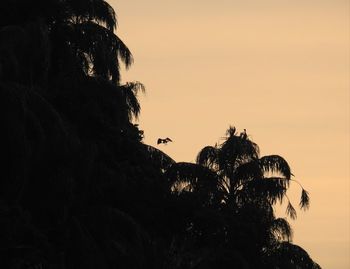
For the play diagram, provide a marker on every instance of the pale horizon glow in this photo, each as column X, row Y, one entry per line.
column 280, row 69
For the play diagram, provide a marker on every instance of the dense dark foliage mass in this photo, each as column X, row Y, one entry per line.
column 78, row 187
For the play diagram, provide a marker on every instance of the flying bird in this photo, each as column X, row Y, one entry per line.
column 164, row 141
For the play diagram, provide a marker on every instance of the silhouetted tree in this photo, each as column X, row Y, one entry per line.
column 77, row 34
column 79, row 189
column 229, row 196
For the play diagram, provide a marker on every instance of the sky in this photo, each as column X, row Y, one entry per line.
column 278, row 68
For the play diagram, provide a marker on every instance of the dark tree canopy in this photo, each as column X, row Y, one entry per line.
column 79, row 188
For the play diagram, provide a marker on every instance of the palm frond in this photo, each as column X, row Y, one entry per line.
column 136, row 86
column 159, row 158
column 124, row 53
column 198, row 177
column 281, row 229
column 281, row 181
column 207, row 156
column 275, row 164
column 304, row 200
column 248, row 171
column 92, row 10
column 272, row 189
column 290, row 211
column 104, row 13
column 102, row 46
column 130, row 91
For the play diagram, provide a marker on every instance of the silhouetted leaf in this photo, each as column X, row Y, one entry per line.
column 208, row 156
column 290, row 211
column 304, row 200
column 194, row 176
column 130, row 91
column 159, row 158
column 275, row 164
column 281, row 228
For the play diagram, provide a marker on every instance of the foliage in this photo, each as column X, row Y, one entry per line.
column 80, row 189
column 230, row 193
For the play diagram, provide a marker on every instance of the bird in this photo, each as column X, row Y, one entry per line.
column 164, row 141
column 243, row 135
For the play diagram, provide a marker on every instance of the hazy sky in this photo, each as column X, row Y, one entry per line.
column 278, row 68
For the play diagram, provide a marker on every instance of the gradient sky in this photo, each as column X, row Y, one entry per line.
column 278, row 68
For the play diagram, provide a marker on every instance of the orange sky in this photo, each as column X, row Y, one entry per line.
column 278, row 68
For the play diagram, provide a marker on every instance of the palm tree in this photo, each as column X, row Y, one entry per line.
column 229, row 196
column 84, row 31
column 238, row 174
column 80, row 33
column 69, row 142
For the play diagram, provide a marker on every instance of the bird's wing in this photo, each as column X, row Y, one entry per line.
column 168, row 139
column 159, row 141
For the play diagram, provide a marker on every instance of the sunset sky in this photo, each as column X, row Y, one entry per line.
column 278, row 68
